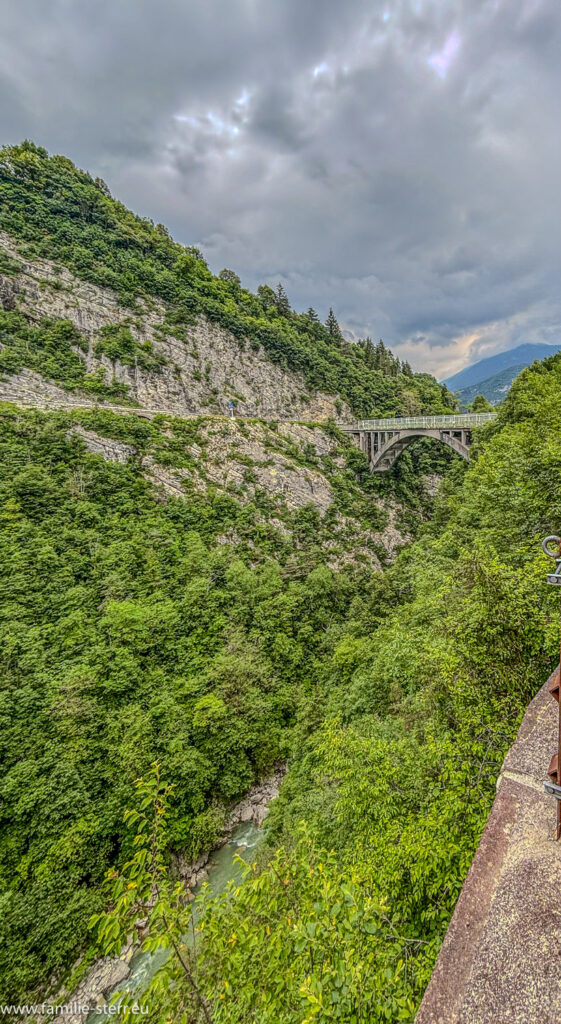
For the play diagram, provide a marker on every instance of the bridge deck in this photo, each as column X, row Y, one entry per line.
column 468, row 419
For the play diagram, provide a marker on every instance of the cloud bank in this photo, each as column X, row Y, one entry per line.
column 398, row 160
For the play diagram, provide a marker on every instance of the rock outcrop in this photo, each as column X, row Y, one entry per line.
column 204, row 369
column 297, row 465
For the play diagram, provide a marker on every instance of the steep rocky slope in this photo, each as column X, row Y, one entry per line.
column 279, row 453
column 202, row 366
column 284, row 472
column 54, row 211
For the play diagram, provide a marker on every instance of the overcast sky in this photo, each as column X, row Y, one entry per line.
column 398, row 160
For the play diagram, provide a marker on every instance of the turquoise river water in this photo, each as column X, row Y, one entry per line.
column 221, row 868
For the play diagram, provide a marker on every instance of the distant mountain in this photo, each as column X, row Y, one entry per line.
column 486, row 369
column 494, row 389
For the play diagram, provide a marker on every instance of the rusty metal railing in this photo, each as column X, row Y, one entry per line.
column 552, row 547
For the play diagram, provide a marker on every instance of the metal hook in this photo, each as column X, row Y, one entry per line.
column 553, row 578
column 545, row 549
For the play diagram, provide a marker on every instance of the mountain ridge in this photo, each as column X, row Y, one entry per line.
column 494, row 389
column 484, row 369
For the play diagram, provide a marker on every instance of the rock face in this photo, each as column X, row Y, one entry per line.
column 9, row 291
column 255, row 458
column 104, row 977
column 296, row 465
column 204, row 370
column 109, row 449
column 255, row 806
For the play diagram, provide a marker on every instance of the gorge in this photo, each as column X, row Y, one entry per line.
column 218, row 594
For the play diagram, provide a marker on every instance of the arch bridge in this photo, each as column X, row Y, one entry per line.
column 383, row 440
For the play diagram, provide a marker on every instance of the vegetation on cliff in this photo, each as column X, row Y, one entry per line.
column 129, row 632
column 56, row 211
column 207, row 633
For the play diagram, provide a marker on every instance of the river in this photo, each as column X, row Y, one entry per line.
column 222, row 868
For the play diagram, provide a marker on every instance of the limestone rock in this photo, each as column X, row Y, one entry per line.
column 105, row 975
column 246, row 811
column 204, row 371
column 297, row 463
column 259, row 814
column 9, row 290
column 109, row 449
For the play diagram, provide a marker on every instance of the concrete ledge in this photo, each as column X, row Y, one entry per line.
column 500, row 962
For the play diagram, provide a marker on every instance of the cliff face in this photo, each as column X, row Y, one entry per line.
column 203, row 366
column 295, row 466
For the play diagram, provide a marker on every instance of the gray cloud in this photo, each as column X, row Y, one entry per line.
column 397, row 160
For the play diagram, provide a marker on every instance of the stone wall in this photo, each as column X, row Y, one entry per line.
column 499, row 963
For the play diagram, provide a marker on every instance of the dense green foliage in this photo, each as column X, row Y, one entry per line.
column 132, row 633
column 50, row 349
column 128, row 633
column 393, row 770
column 117, row 342
column 59, row 212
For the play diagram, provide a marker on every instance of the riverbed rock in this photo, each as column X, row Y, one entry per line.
column 259, row 815
column 200, row 862
column 106, row 974
column 246, row 811
column 109, row 972
column 141, row 927
column 254, row 806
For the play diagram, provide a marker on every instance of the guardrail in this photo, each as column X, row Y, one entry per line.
column 468, row 419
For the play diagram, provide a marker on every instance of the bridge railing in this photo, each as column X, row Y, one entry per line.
column 468, row 419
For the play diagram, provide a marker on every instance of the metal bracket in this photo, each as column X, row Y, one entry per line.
column 552, row 790
column 553, row 578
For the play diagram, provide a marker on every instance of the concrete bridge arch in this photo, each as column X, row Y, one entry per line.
column 383, row 440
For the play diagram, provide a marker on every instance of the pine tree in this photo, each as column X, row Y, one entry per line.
column 281, row 299
column 332, row 325
column 365, row 344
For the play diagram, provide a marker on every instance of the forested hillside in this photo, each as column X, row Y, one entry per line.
column 54, row 211
column 221, row 595
column 169, row 585
column 150, row 610
column 393, row 768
